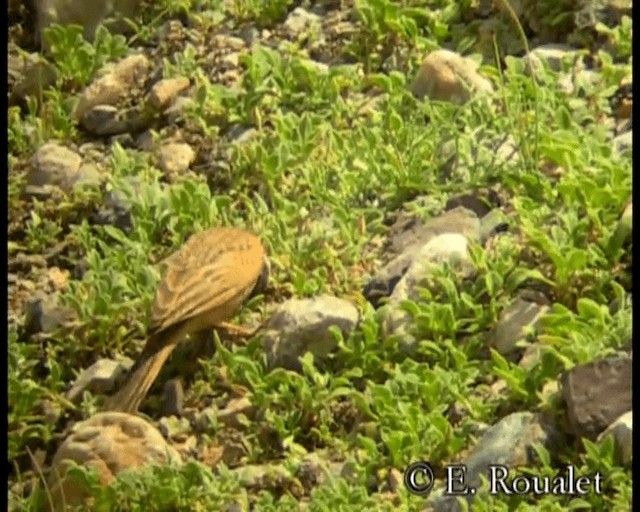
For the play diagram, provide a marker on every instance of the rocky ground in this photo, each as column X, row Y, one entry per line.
column 445, row 195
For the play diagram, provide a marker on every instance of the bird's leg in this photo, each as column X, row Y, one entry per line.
column 204, row 340
column 238, row 330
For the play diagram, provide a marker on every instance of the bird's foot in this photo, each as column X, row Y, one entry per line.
column 238, row 330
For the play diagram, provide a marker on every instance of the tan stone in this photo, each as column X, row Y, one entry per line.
column 447, row 76
column 110, row 442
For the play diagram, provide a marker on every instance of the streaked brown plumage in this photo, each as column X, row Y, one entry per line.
column 206, row 282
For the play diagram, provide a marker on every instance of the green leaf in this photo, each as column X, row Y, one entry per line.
column 576, row 260
column 591, row 310
column 564, row 118
column 117, row 235
column 521, row 274
column 369, row 445
column 363, row 405
column 579, row 504
column 493, row 283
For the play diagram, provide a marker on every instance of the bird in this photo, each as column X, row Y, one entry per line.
column 206, row 282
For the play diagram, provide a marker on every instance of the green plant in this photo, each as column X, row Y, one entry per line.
column 332, row 148
column 77, row 60
column 264, row 13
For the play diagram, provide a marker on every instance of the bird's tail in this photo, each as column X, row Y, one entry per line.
column 144, row 373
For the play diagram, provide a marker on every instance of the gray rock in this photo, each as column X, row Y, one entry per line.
column 531, row 356
column 444, row 248
column 509, row 442
column 114, row 82
column 54, row 165
column 515, row 321
column 235, row 411
column 50, row 410
column 551, row 55
column 145, row 141
column 415, row 233
column 622, row 431
column 338, row 28
column 104, row 120
column 203, row 420
column 234, row 450
column 596, row 394
column 116, row 206
column 480, row 202
column 394, row 481
column 623, row 142
column 622, row 104
column 491, row 150
column 580, row 79
column 32, row 79
column 174, row 429
column 178, row 109
column 80, row 268
column 407, row 237
column 234, row 415
column 231, row 42
column 448, row 247
column 607, row 12
column 493, row 223
column 16, row 63
column 312, row 471
column 173, row 403
column 351, row 472
column 239, row 134
column 240, row 505
column 125, row 140
column 507, row 152
column 94, row 151
column 100, row 377
column 303, row 325
column 249, row 35
column 89, row 175
column 231, row 61
column 44, row 193
column 44, row 314
column 300, row 21
column 187, row 446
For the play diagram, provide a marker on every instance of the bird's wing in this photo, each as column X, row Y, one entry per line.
column 211, row 269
